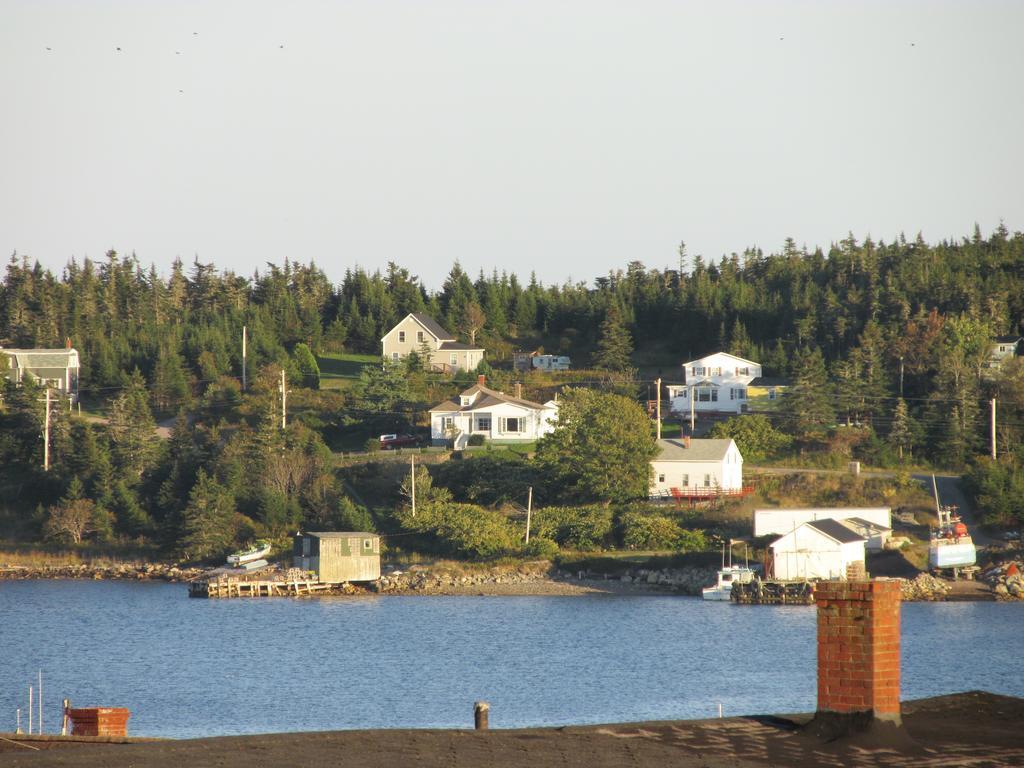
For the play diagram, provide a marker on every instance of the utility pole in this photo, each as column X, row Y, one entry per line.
column 46, row 433
column 693, row 418
column 412, row 465
column 529, row 512
column 284, row 400
column 993, row 429
column 245, row 333
column 657, row 399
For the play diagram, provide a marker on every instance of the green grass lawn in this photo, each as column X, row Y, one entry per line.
column 339, row 370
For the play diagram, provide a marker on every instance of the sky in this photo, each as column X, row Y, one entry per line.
column 561, row 138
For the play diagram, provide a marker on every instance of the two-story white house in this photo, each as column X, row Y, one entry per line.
column 495, row 415
column 417, row 333
column 695, row 468
column 715, row 383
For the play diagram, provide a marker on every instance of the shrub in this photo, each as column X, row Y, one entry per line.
column 583, row 528
column 649, row 531
column 475, row 440
column 462, row 530
column 372, row 445
column 541, row 547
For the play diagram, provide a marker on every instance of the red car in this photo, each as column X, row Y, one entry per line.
column 390, row 442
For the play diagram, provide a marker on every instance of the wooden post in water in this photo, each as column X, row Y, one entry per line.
column 30, row 710
column 64, row 720
column 481, row 713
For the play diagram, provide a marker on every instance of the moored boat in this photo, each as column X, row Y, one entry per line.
column 256, row 552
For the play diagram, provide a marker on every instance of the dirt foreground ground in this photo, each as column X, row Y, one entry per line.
column 969, row 729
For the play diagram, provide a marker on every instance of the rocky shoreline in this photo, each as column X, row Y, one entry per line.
column 529, row 578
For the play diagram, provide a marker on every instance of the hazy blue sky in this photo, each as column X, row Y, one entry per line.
column 567, row 138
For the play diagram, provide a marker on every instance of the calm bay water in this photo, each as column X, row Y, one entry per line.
column 210, row 667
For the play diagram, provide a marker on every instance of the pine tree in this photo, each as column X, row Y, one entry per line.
column 809, row 402
column 132, row 429
column 901, row 434
column 208, row 520
column 614, row 345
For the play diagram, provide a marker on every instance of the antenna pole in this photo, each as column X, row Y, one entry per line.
column 657, row 399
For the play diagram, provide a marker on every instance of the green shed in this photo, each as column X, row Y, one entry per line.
column 336, row 557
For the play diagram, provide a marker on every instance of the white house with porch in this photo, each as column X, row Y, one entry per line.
column 423, row 335
column 693, row 468
column 715, row 383
column 818, row 549
column 494, row 415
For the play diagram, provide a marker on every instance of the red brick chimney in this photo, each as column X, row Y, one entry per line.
column 858, row 655
column 480, row 380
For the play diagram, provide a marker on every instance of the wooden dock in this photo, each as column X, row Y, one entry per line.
column 759, row 592
column 292, row 582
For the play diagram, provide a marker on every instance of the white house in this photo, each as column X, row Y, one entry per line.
column 780, row 521
column 689, row 468
column 57, row 368
column 1003, row 348
column 495, row 415
column 715, row 383
column 819, row 549
column 420, row 333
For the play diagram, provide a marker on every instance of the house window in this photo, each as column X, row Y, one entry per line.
column 716, row 371
column 707, row 481
column 707, row 395
column 698, row 371
column 367, row 544
column 483, row 424
column 741, row 393
column 513, row 425
column 686, row 480
column 419, row 337
column 771, row 394
column 661, row 478
column 743, row 371
column 401, row 336
column 466, row 401
column 394, row 356
column 453, row 359
column 446, row 423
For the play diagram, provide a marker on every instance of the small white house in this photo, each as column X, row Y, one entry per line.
column 715, row 383
column 688, row 468
column 781, row 521
column 819, row 549
column 57, row 368
column 1002, row 349
column 495, row 415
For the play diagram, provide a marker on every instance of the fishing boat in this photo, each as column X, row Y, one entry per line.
column 727, row 576
column 951, row 545
column 256, row 552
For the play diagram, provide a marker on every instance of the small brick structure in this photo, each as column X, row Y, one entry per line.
column 99, row 721
column 858, row 653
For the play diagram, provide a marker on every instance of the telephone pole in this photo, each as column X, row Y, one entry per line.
column 657, row 400
column 284, row 400
column 46, row 433
column 693, row 418
column 412, row 465
column 529, row 512
column 244, row 340
column 993, row 429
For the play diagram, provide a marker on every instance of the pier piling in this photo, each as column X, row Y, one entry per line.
column 481, row 715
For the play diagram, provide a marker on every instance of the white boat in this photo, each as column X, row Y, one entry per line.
column 260, row 550
column 735, row 574
column 727, row 576
column 951, row 545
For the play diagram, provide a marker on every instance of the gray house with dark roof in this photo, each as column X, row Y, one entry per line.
column 55, row 368
column 420, row 333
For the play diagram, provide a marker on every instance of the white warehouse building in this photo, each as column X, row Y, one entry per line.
column 820, row 549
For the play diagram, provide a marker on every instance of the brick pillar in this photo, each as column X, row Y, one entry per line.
column 859, row 650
